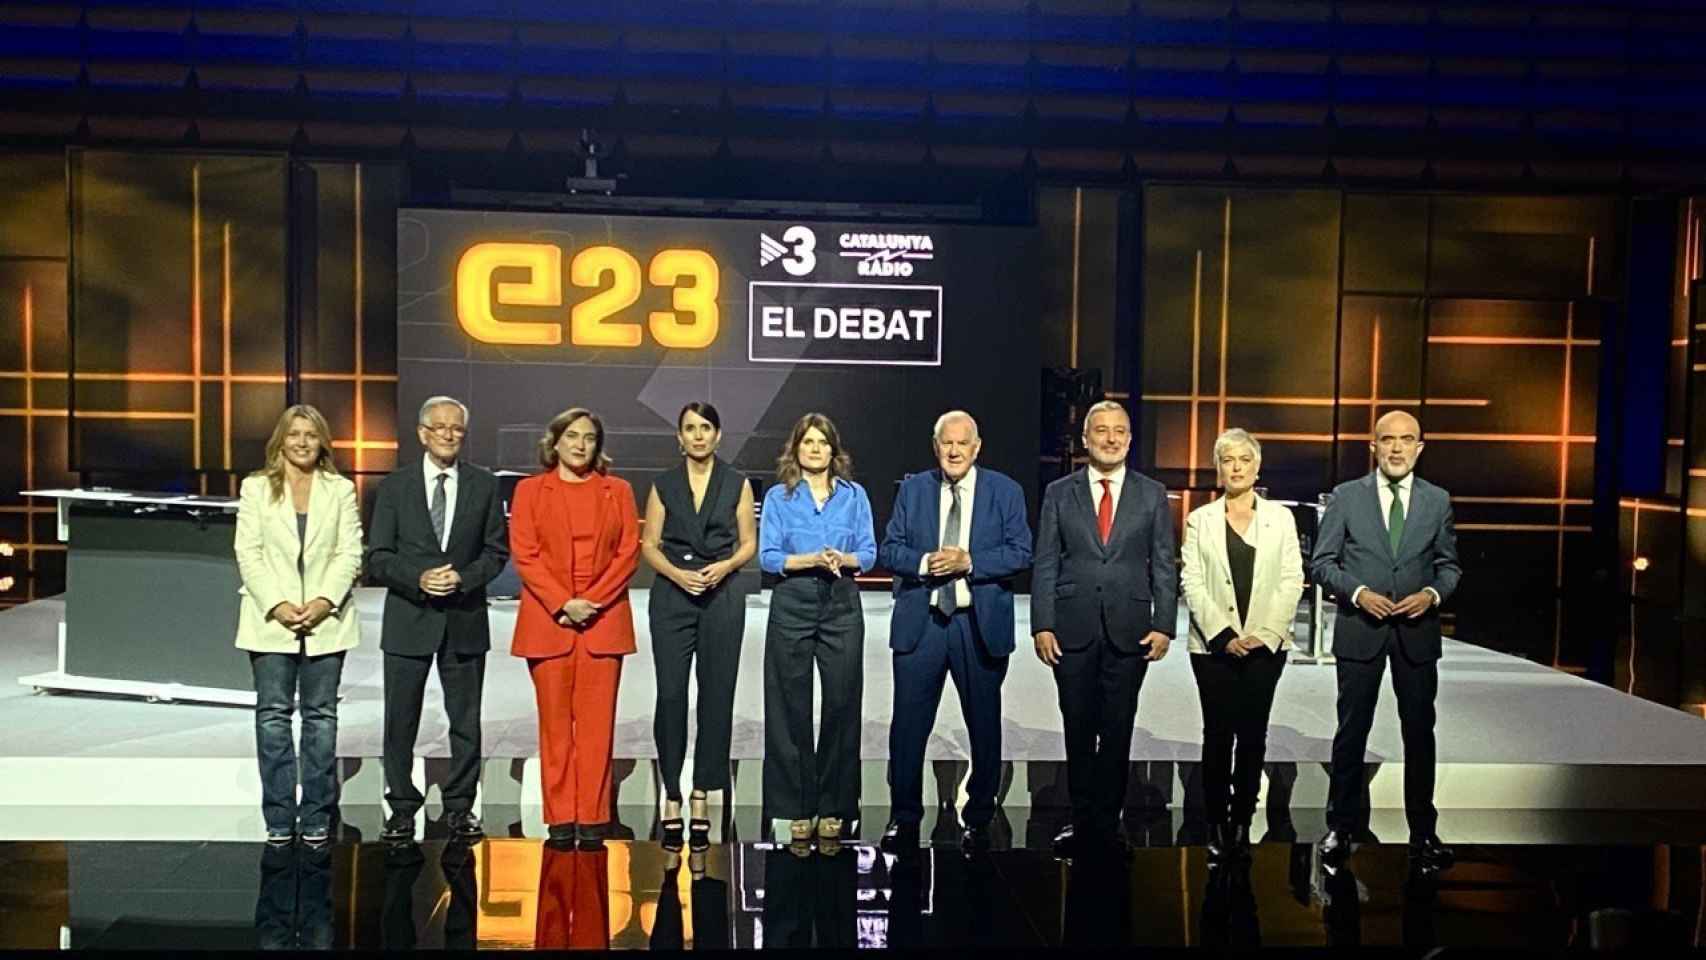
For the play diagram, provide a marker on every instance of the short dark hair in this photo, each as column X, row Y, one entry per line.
column 702, row 408
column 554, row 432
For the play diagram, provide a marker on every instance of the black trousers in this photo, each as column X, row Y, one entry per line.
column 813, row 620
column 949, row 646
column 811, row 901
column 1416, row 685
column 709, row 902
column 463, row 677
column 1098, row 688
column 1237, row 695
column 703, row 635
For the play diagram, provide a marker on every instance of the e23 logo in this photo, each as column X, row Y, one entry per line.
column 613, row 272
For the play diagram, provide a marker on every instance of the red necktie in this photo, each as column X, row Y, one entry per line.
column 1105, row 512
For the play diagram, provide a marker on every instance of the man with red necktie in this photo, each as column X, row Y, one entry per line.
column 1104, row 602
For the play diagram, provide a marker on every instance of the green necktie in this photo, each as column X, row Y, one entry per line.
column 1395, row 518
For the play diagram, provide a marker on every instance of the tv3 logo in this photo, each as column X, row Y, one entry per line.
column 797, row 250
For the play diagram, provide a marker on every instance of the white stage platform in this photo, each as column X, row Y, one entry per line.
column 1512, row 735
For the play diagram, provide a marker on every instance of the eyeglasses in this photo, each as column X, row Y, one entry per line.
column 445, row 429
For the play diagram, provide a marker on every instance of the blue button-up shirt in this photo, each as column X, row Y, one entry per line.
column 792, row 523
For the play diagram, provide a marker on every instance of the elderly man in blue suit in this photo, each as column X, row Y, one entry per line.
column 956, row 540
column 1387, row 549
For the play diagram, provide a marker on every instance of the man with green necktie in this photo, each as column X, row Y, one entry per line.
column 1387, row 551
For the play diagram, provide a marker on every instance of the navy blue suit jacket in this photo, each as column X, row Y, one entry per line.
column 1000, row 547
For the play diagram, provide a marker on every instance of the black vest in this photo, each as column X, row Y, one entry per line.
column 691, row 539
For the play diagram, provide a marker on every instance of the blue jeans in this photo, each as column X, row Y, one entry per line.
column 278, row 679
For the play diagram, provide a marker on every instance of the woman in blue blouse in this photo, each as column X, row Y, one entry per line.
column 815, row 531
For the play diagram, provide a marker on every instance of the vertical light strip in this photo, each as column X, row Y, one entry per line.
column 1374, row 389
column 1077, row 251
column 1687, row 248
column 1564, row 468
column 1185, row 893
column 30, row 434
column 225, row 335
column 195, row 317
column 1196, row 382
column 1634, row 584
column 360, row 413
column 1225, row 306
column 1592, row 244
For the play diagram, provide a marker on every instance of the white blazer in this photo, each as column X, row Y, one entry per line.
column 1275, row 587
column 267, row 546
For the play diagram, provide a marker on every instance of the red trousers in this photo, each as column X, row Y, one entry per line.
column 574, row 900
column 576, row 694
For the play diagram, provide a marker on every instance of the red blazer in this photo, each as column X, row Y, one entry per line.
column 540, row 541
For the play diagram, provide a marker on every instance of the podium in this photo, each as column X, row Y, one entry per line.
column 151, row 598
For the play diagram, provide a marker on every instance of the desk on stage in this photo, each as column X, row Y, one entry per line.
column 151, row 598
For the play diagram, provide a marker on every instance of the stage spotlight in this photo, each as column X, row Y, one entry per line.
column 7, row 583
column 6, row 549
column 1641, row 564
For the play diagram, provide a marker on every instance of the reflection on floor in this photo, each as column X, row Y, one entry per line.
column 506, row 893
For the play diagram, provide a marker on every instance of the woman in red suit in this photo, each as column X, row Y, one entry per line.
column 574, row 534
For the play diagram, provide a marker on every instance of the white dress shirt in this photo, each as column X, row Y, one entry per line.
column 1383, row 487
column 431, row 471
column 968, row 488
column 1115, row 485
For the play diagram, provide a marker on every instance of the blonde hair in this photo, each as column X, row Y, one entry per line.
column 1233, row 438
column 275, row 460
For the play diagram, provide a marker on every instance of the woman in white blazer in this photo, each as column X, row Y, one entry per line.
column 298, row 549
column 1242, row 576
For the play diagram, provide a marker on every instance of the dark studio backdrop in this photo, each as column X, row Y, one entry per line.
column 1283, row 216
column 881, row 326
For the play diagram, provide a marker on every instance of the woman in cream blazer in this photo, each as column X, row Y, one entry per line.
column 298, row 548
column 1242, row 576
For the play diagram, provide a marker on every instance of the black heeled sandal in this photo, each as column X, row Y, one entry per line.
column 699, row 829
column 672, row 828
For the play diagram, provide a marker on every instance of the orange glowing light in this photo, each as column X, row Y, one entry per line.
column 616, row 279
column 542, row 288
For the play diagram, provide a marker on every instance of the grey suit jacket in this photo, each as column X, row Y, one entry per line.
column 1131, row 583
column 1354, row 550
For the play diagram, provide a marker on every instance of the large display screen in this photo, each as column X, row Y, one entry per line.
column 881, row 326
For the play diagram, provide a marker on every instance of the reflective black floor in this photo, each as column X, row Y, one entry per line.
column 507, row 893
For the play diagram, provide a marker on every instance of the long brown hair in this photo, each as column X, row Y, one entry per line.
column 554, row 432
column 788, row 464
column 274, row 470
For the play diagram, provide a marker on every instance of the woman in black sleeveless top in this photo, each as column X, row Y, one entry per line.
column 699, row 530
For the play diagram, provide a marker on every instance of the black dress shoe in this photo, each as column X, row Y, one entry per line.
column 1067, row 842
column 900, row 837
column 400, row 828
column 1217, row 843
column 1237, row 839
column 1335, row 847
column 562, row 832
column 1430, row 855
column 464, row 825
column 974, row 839
column 590, row 836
